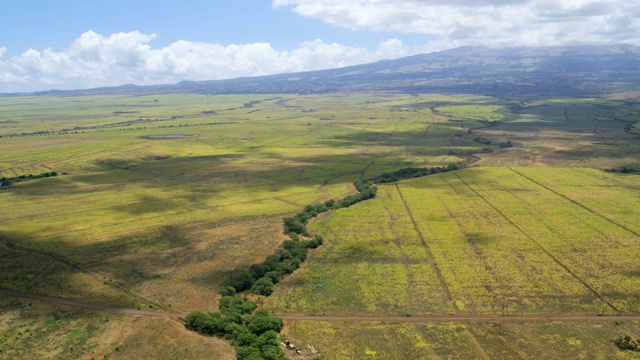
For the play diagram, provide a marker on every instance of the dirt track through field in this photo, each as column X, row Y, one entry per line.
column 463, row 318
column 90, row 306
column 390, row 319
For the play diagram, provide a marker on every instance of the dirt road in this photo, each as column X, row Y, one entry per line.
column 89, row 306
column 465, row 319
column 390, row 319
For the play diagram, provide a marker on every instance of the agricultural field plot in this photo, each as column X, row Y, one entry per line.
column 373, row 263
column 567, row 132
column 164, row 195
column 600, row 253
column 477, row 241
column 521, row 340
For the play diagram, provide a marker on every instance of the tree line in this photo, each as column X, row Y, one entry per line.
column 6, row 181
column 255, row 334
column 261, row 277
column 413, row 172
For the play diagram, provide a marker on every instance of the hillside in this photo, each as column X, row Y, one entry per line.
column 507, row 72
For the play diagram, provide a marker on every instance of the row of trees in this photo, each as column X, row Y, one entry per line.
column 261, row 277
column 256, row 336
column 624, row 170
column 6, row 181
column 297, row 225
column 413, row 172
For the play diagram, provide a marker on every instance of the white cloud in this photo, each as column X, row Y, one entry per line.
column 485, row 22
column 95, row 60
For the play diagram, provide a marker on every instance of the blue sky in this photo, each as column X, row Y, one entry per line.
column 66, row 44
column 38, row 24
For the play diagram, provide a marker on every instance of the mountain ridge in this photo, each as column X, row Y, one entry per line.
column 584, row 70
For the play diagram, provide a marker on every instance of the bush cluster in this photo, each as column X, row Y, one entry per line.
column 413, row 172
column 482, row 140
column 624, row 170
column 627, row 343
column 254, row 336
column 5, row 181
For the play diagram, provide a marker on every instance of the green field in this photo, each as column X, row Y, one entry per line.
column 160, row 197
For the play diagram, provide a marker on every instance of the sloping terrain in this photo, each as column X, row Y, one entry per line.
column 505, row 72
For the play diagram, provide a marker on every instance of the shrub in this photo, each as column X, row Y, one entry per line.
column 229, row 301
column 258, row 270
column 293, row 225
column 263, row 286
column 627, row 343
column 261, row 322
column 240, row 282
column 273, row 276
column 227, row 290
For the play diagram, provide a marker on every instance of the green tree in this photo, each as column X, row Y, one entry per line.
column 261, row 322
column 263, row 286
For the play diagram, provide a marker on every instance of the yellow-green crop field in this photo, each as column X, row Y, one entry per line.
column 479, row 241
column 517, row 340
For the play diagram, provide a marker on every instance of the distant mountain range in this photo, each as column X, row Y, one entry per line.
column 506, row 73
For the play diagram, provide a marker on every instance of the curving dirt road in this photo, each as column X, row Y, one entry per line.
column 390, row 319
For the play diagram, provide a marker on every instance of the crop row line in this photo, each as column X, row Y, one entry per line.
column 475, row 248
column 432, row 259
column 554, row 258
column 435, row 318
column 576, row 203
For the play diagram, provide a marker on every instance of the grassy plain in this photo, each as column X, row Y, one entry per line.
column 142, row 218
column 593, row 133
column 139, row 220
column 137, row 210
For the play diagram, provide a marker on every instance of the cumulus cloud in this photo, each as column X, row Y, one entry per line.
column 95, row 60
column 485, row 22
